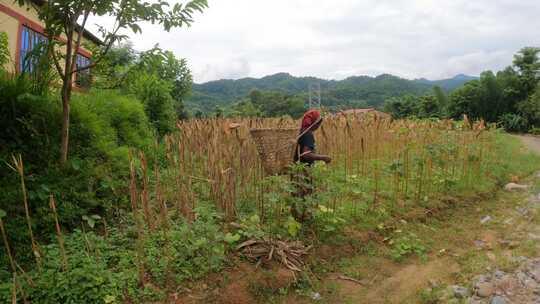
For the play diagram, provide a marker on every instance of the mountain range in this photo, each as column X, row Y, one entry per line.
column 355, row 91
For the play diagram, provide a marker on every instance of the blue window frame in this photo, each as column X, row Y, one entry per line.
column 82, row 78
column 30, row 40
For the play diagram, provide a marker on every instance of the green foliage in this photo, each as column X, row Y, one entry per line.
column 509, row 97
column 156, row 77
column 513, row 122
column 407, row 245
column 426, row 106
column 534, row 131
column 4, row 50
column 527, row 64
column 122, row 119
column 250, row 228
column 353, row 92
column 268, row 104
column 157, row 100
column 104, row 270
column 530, row 109
column 104, row 126
column 328, row 222
column 88, row 279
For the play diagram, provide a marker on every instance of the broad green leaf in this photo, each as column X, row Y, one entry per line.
column 231, row 238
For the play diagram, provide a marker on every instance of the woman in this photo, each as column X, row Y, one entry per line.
column 306, row 154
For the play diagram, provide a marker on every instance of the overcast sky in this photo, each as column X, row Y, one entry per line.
column 334, row 39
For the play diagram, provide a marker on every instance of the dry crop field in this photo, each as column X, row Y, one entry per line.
column 375, row 161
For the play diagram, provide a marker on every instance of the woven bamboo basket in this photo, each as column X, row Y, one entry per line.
column 276, row 148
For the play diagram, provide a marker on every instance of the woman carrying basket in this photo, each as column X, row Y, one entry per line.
column 311, row 121
column 305, row 154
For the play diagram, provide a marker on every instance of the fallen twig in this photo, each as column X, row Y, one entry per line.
column 346, row 278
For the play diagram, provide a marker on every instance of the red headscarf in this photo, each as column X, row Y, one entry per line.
column 310, row 118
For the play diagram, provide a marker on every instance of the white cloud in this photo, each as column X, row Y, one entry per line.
column 340, row 38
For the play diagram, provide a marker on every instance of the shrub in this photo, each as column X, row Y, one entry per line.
column 104, row 270
column 156, row 97
column 104, row 121
column 89, row 278
column 104, row 126
column 513, row 122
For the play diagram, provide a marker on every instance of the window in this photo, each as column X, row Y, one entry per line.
column 82, row 78
column 30, row 41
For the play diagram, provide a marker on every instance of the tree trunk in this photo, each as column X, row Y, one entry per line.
column 67, row 84
column 66, row 98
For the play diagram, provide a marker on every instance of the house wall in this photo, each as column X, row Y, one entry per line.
column 12, row 18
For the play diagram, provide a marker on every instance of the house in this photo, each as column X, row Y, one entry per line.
column 25, row 31
column 362, row 112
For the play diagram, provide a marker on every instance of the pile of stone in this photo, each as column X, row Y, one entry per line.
column 499, row 287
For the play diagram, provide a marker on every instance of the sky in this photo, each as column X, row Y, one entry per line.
column 335, row 39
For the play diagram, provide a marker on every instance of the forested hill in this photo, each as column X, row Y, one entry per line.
column 356, row 91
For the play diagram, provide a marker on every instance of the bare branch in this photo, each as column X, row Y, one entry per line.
column 81, row 34
column 111, row 40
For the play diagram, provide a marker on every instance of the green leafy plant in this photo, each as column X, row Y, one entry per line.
column 327, row 221
column 90, row 220
column 407, row 245
column 534, row 131
column 293, row 227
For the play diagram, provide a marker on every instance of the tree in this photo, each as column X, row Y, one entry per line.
column 527, row 63
column 465, row 99
column 154, row 76
column 530, row 109
column 402, row 107
column 61, row 19
column 154, row 93
column 442, row 100
column 428, row 106
column 171, row 69
column 115, row 65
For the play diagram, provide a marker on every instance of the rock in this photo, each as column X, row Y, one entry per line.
column 460, row 292
column 486, row 219
column 491, row 256
column 498, row 300
column 484, row 289
column 315, row 296
column 535, row 274
column 499, row 274
column 481, row 278
column 509, row 244
column 479, row 243
column 515, row 187
column 522, row 211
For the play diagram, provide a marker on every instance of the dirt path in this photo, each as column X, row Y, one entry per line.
column 488, row 252
column 532, row 142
